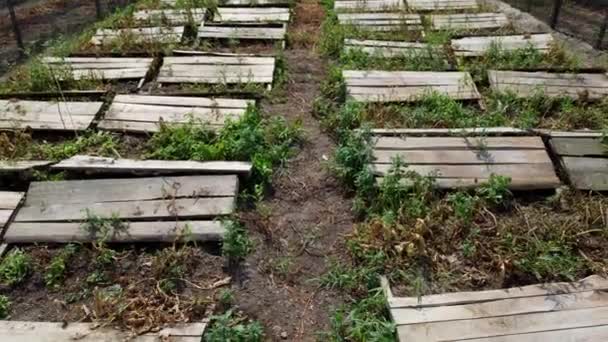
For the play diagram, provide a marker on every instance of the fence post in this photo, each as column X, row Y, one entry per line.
column 16, row 30
column 602, row 33
column 557, row 6
column 98, row 9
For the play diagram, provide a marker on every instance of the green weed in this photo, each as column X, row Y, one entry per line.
column 100, row 229
column 236, row 244
column 15, row 267
column 496, row 190
column 5, row 306
column 55, row 272
column 431, row 58
column 228, row 327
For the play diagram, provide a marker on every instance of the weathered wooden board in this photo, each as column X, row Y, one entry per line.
column 478, row 46
column 8, row 203
column 143, row 113
column 369, row 5
column 162, row 35
column 254, row 3
column 261, row 15
column 171, row 16
column 47, row 115
column 587, row 173
column 467, row 162
column 217, row 70
column 468, row 21
column 407, row 86
column 382, row 21
column 578, row 311
column 104, row 68
column 579, row 147
column 21, row 331
column 7, row 166
column 480, row 131
column 95, row 164
column 441, row 5
column 133, row 200
column 388, row 49
column 585, row 85
column 242, row 32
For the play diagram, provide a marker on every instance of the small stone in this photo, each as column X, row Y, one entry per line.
column 284, row 335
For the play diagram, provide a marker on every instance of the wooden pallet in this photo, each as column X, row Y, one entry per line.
column 160, row 209
column 584, row 158
column 8, row 203
column 478, row 46
column 104, row 68
column 458, row 162
column 20, row 331
column 575, row 311
column 47, row 115
column 217, row 70
column 468, row 21
column 441, row 5
column 382, row 21
column 407, row 86
column 171, row 16
column 161, row 35
column 144, row 113
column 246, row 31
column 94, row 164
column 584, row 85
column 387, row 49
column 251, row 15
column 368, row 5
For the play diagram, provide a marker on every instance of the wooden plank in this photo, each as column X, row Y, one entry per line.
column 590, row 283
column 141, row 126
column 20, row 331
column 251, row 15
column 585, row 334
column 587, row 173
column 130, row 189
column 219, row 60
column 190, row 208
column 480, row 131
column 21, row 165
column 100, row 67
column 468, row 21
column 139, row 35
column 171, row 114
column 444, row 143
column 244, row 32
column 478, row 46
column 382, row 21
column 387, row 49
column 171, row 16
column 472, row 183
column 5, row 215
column 186, row 101
column 10, row 199
column 75, row 60
column 66, row 232
column 578, row 147
column 463, row 157
column 541, row 173
column 503, row 307
column 101, row 164
column 26, row 108
column 507, row 325
column 368, row 5
column 217, row 69
column 441, row 5
column 590, row 86
column 109, row 74
column 255, row 2
column 584, row 133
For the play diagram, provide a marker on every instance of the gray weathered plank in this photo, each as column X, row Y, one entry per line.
column 171, row 16
column 43, row 115
column 574, row 85
column 399, row 86
column 463, row 157
column 130, row 189
column 478, row 46
column 579, row 147
column 388, row 49
column 479, row 131
column 10, row 199
column 369, row 5
column 21, row 165
column 382, row 21
column 468, row 21
column 586, row 334
column 20, row 331
column 256, row 2
column 587, row 173
column 443, row 143
column 163, row 35
column 441, row 5
column 242, row 32
column 251, row 15
column 105, row 68
column 64, row 232
column 112, row 165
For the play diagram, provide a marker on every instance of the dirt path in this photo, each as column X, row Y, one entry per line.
column 304, row 220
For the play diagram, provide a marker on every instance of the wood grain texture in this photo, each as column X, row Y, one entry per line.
column 251, row 15
column 479, row 131
column 381, row 21
column 171, row 16
column 163, row 35
column 579, row 147
column 104, row 68
column 468, row 21
column 478, row 46
column 47, row 115
column 441, row 5
column 242, row 32
column 524, row 84
column 112, row 165
column 368, row 5
column 587, row 173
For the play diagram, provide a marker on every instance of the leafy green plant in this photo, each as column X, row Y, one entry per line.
column 549, row 259
column 495, row 190
column 99, row 228
column 15, row 266
column 55, row 272
column 102, row 143
column 227, row 327
column 464, row 205
column 5, row 306
column 236, row 244
column 352, row 156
